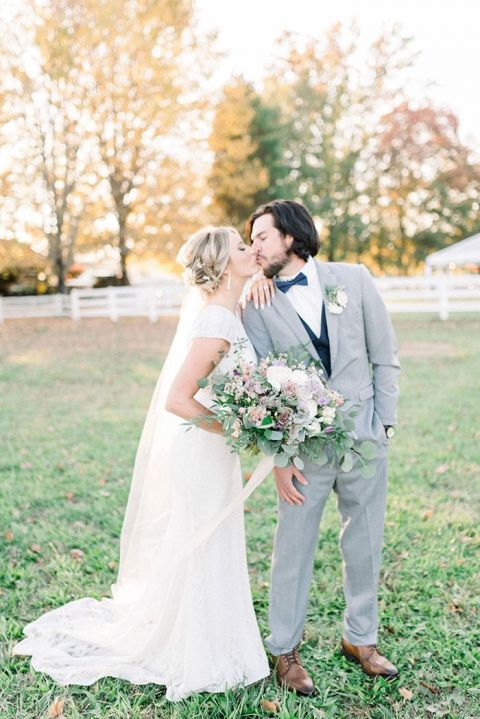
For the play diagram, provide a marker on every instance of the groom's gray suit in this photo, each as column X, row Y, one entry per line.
column 365, row 369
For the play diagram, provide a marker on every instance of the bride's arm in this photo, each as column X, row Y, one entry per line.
column 201, row 359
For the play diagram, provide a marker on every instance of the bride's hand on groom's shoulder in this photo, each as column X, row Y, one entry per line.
column 260, row 292
column 285, row 487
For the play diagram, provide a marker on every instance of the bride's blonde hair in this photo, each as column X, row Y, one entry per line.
column 205, row 256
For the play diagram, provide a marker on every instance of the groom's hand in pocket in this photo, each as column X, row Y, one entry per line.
column 285, row 487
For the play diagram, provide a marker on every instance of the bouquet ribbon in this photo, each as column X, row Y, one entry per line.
column 263, row 468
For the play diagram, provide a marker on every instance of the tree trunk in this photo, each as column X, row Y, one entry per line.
column 122, row 246
column 59, row 265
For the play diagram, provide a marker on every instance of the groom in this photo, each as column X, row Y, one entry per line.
column 336, row 312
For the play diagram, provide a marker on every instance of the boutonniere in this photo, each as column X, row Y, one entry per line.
column 337, row 299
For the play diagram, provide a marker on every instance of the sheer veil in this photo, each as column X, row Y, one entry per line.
column 149, row 502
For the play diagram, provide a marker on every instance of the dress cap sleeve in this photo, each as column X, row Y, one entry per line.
column 214, row 322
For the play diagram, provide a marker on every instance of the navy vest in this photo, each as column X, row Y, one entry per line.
column 322, row 343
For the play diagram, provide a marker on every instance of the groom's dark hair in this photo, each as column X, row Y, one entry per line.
column 290, row 218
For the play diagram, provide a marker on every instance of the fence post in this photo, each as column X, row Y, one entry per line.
column 74, row 304
column 112, row 303
column 443, row 288
column 152, row 305
column 58, row 305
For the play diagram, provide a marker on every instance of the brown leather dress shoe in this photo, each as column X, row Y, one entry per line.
column 291, row 674
column 371, row 661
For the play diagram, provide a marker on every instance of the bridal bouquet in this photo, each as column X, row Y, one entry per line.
column 281, row 407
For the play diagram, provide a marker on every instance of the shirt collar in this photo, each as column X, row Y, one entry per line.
column 308, row 269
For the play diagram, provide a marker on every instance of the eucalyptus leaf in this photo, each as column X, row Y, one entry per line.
column 347, row 463
column 273, row 434
column 368, row 449
column 202, row 382
column 266, row 422
column 298, row 462
column 265, row 446
column 281, row 460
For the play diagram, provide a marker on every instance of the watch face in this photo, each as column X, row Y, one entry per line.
column 390, row 432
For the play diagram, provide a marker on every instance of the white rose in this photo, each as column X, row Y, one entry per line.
column 277, row 375
column 342, row 298
column 328, row 414
column 313, row 428
column 311, row 409
column 299, row 376
column 334, row 309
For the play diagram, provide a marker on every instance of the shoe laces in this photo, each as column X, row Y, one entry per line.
column 292, row 657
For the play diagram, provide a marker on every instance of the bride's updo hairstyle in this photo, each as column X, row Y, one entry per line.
column 205, row 257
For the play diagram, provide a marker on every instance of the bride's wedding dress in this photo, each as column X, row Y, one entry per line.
column 181, row 612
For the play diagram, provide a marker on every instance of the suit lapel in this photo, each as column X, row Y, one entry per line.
column 326, row 277
column 290, row 317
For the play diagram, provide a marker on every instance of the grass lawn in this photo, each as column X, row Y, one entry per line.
column 73, row 402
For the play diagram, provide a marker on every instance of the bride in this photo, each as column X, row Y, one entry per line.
column 181, row 611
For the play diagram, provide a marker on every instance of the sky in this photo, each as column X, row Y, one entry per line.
column 445, row 32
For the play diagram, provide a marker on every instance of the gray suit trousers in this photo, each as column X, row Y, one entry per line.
column 361, row 504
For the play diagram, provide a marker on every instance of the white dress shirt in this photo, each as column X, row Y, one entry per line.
column 307, row 299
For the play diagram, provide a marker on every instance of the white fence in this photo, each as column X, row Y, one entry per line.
column 112, row 302
column 438, row 294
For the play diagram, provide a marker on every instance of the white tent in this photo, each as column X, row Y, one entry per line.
column 465, row 252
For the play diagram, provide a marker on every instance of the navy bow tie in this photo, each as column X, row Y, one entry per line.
column 284, row 285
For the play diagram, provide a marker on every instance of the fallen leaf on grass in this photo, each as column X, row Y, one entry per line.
column 112, row 565
column 246, row 476
column 452, row 427
column 101, row 482
column 36, row 548
column 430, row 688
column 8, row 535
column 406, row 693
column 69, row 496
column 454, row 607
column 427, row 514
column 442, row 468
column 76, row 553
column 104, row 493
column 26, row 465
column 270, row 706
column 56, row 708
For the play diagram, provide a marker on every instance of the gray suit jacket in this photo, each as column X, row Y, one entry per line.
column 363, row 346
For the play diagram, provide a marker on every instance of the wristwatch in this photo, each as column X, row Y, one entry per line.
column 389, row 431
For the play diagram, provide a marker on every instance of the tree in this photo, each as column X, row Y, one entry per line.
column 110, row 109
column 332, row 107
column 238, row 175
column 46, row 104
column 140, row 95
column 427, row 189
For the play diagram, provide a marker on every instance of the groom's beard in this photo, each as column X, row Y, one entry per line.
column 276, row 265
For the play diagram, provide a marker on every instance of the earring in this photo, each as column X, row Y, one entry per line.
column 229, row 280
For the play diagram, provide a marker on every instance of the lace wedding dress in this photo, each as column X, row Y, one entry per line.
column 181, row 612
